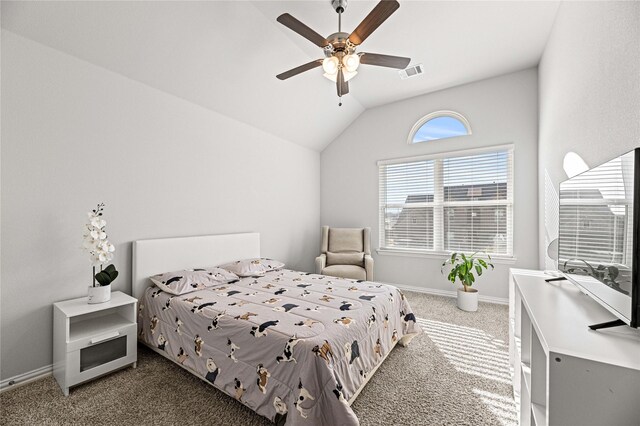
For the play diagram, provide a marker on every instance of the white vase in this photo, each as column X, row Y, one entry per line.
column 468, row 300
column 100, row 294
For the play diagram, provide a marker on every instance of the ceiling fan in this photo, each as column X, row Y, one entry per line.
column 341, row 61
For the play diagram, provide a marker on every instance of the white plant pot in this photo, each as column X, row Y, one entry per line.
column 100, row 294
column 468, row 300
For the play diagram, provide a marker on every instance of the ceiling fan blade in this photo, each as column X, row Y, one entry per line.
column 297, row 70
column 384, row 60
column 341, row 85
column 374, row 19
column 306, row 32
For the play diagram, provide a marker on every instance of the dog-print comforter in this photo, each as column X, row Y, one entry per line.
column 292, row 346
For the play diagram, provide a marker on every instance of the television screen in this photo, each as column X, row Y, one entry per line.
column 597, row 233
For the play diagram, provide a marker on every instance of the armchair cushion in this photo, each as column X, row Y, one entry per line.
column 345, row 258
column 345, row 240
column 346, row 271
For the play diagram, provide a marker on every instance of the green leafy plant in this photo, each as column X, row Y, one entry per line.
column 107, row 275
column 463, row 268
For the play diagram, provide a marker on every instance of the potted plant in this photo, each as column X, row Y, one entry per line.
column 100, row 252
column 462, row 269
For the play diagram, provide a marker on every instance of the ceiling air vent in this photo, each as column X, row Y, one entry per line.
column 411, row 71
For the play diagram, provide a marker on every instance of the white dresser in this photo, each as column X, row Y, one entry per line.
column 564, row 373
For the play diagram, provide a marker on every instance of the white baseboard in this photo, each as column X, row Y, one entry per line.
column 451, row 293
column 24, row 378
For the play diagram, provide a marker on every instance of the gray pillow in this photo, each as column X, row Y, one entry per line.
column 253, row 267
column 345, row 258
column 188, row 280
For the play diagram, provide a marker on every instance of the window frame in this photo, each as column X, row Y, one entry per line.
column 438, row 114
column 439, row 252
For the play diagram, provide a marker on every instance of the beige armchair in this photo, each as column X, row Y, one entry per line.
column 346, row 253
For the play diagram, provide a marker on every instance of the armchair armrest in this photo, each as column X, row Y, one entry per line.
column 321, row 262
column 368, row 267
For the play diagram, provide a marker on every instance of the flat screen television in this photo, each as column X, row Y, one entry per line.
column 599, row 243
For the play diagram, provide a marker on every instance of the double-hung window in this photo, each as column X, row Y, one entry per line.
column 448, row 202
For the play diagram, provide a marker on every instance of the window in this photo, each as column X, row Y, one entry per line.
column 445, row 203
column 439, row 125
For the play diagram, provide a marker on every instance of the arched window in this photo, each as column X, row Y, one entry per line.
column 439, row 125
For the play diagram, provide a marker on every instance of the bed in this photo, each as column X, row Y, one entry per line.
column 295, row 347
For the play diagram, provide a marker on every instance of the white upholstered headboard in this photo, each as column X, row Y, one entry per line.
column 152, row 257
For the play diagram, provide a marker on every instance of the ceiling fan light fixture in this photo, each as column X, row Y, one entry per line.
column 330, row 65
column 347, row 75
column 332, row 77
column 351, row 62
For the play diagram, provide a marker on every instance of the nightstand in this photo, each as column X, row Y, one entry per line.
column 93, row 340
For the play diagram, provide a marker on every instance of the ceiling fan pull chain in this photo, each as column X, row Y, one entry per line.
column 340, row 101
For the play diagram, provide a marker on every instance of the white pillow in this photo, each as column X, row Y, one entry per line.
column 252, row 267
column 188, row 280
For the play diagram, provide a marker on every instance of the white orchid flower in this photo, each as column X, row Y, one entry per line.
column 98, row 222
column 107, row 247
column 95, row 239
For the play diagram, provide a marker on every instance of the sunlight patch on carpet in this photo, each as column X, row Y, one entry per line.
column 473, row 351
column 470, row 350
column 502, row 407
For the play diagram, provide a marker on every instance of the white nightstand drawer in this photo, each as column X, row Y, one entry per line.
column 102, row 335
column 103, row 356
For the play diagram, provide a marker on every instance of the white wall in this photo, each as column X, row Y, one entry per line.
column 501, row 110
column 589, row 95
column 75, row 134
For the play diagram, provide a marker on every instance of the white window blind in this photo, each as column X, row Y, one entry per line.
column 461, row 202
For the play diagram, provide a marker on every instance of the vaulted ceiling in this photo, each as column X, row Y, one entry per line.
column 224, row 55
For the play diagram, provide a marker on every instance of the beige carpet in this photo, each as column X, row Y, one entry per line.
column 457, row 373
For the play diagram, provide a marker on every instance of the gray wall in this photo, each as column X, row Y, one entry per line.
column 501, row 110
column 75, row 134
column 589, row 96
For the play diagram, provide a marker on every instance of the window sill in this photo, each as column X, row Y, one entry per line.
column 505, row 260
